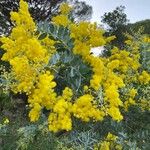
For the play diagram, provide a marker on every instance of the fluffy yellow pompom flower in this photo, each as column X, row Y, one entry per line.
column 111, row 137
column 132, row 92
column 114, row 112
column 67, row 94
column 60, row 118
column 61, row 20
column 105, row 145
column 34, row 114
column 144, row 78
column 6, row 121
column 65, row 8
column 84, row 109
column 43, row 93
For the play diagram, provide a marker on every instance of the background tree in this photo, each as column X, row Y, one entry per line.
column 81, row 11
column 145, row 24
column 116, row 22
column 40, row 10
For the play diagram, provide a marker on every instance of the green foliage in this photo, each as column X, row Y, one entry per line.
column 57, row 33
column 115, row 18
column 133, row 133
column 144, row 23
column 4, row 101
column 69, row 69
column 145, row 56
column 41, row 11
column 81, row 11
column 116, row 22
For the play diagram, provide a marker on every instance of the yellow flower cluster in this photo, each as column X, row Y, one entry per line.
column 111, row 89
column 29, row 57
column 133, row 93
column 84, row 109
column 86, row 36
column 24, row 51
column 87, row 33
column 98, row 70
column 144, row 78
column 144, row 104
column 42, row 95
column 23, row 73
column 23, row 19
column 130, row 101
column 65, row 8
column 63, row 19
column 124, row 59
column 34, row 113
column 6, row 121
column 109, row 143
column 60, row 117
column 147, row 39
column 48, row 44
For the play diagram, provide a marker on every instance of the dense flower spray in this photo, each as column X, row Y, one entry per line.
column 31, row 73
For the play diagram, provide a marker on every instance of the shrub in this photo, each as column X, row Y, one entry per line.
column 51, row 63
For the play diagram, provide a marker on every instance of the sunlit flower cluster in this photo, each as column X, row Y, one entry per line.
column 110, row 142
column 29, row 57
column 84, row 109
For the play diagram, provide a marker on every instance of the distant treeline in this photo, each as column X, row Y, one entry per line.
column 144, row 23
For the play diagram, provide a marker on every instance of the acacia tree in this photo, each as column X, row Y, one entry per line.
column 40, row 10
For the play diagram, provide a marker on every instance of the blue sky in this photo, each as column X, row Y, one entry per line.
column 136, row 10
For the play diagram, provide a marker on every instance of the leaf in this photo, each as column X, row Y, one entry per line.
column 57, row 33
column 51, row 28
column 70, row 43
column 72, row 72
column 60, row 32
column 42, row 36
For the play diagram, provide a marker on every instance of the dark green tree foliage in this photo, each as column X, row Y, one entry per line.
column 82, row 11
column 40, row 10
column 145, row 24
column 116, row 22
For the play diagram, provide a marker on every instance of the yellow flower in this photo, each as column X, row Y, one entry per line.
column 60, row 119
column 132, row 92
column 84, row 109
column 113, row 64
column 111, row 137
column 67, row 94
column 105, row 145
column 43, row 92
column 129, row 42
column 128, row 103
column 114, row 112
column 29, row 61
column 110, row 38
column 6, row 121
column 65, row 8
column 146, row 39
column 86, row 88
column 34, row 113
column 61, row 20
column 144, row 78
